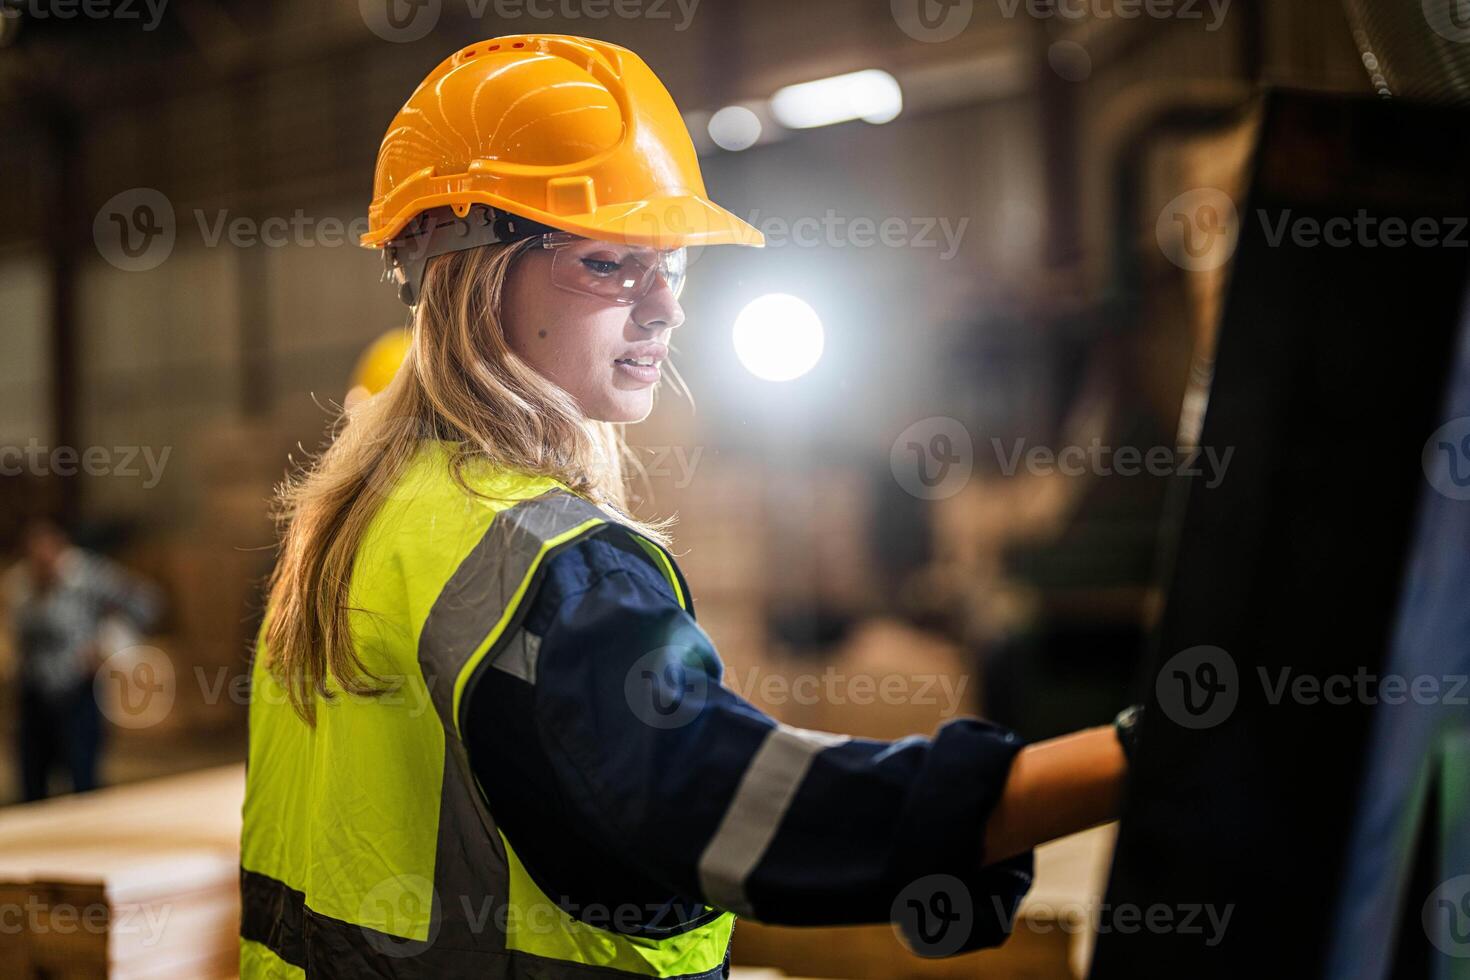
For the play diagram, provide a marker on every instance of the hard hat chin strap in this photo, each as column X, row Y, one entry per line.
column 439, row 231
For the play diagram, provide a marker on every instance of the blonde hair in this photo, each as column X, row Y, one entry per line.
column 462, row 383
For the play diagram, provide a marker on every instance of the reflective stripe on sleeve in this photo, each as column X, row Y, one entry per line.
column 755, row 812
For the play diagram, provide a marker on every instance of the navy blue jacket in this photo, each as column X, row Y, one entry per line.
column 636, row 787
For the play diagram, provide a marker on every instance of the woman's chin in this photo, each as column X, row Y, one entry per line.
column 622, row 406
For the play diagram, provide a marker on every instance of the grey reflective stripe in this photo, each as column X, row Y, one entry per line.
column 760, row 802
column 277, row 917
column 471, row 871
column 518, row 656
column 481, row 589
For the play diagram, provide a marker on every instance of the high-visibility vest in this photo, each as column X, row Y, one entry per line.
column 368, row 850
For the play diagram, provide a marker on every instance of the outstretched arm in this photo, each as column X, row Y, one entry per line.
column 1055, row 788
column 642, row 754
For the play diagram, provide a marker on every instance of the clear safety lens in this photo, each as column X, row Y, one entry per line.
column 616, row 272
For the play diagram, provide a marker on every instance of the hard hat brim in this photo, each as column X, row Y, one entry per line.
column 665, row 222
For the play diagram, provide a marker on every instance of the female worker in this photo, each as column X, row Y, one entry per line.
column 487, row 737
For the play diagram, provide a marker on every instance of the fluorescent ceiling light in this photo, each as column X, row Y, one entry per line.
column 872, row 95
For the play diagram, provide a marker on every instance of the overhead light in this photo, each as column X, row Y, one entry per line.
column 778, row 337
column 735, row 128
column 872, row 95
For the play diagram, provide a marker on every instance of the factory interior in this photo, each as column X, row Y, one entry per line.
column 1038, row 385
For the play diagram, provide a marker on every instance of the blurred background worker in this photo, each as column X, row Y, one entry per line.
column 67, row 608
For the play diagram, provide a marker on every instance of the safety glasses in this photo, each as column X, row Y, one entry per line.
column 618, row 273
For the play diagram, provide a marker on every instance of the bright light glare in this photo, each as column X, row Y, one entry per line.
column 735, row 128
column 872, row 95
column 778, row 337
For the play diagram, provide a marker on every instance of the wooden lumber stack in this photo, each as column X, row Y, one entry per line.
column 133, row 882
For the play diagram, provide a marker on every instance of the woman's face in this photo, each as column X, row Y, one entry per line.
column 607, row 356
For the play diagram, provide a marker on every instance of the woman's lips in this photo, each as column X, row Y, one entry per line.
column 645, row 373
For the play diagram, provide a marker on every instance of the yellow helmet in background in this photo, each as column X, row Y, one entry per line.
column 378, row 364
column 528, row 133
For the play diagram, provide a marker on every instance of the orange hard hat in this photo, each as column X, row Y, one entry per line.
column 572, row 133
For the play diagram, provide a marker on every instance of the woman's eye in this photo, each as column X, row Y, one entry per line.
column 603, row 267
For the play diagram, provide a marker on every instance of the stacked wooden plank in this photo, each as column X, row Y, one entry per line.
column 133, row 882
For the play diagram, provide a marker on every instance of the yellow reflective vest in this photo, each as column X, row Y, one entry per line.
column 367, row 848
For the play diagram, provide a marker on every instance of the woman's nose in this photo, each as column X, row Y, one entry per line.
column 659, row 308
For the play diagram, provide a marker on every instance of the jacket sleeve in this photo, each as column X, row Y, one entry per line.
column 710, row 796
